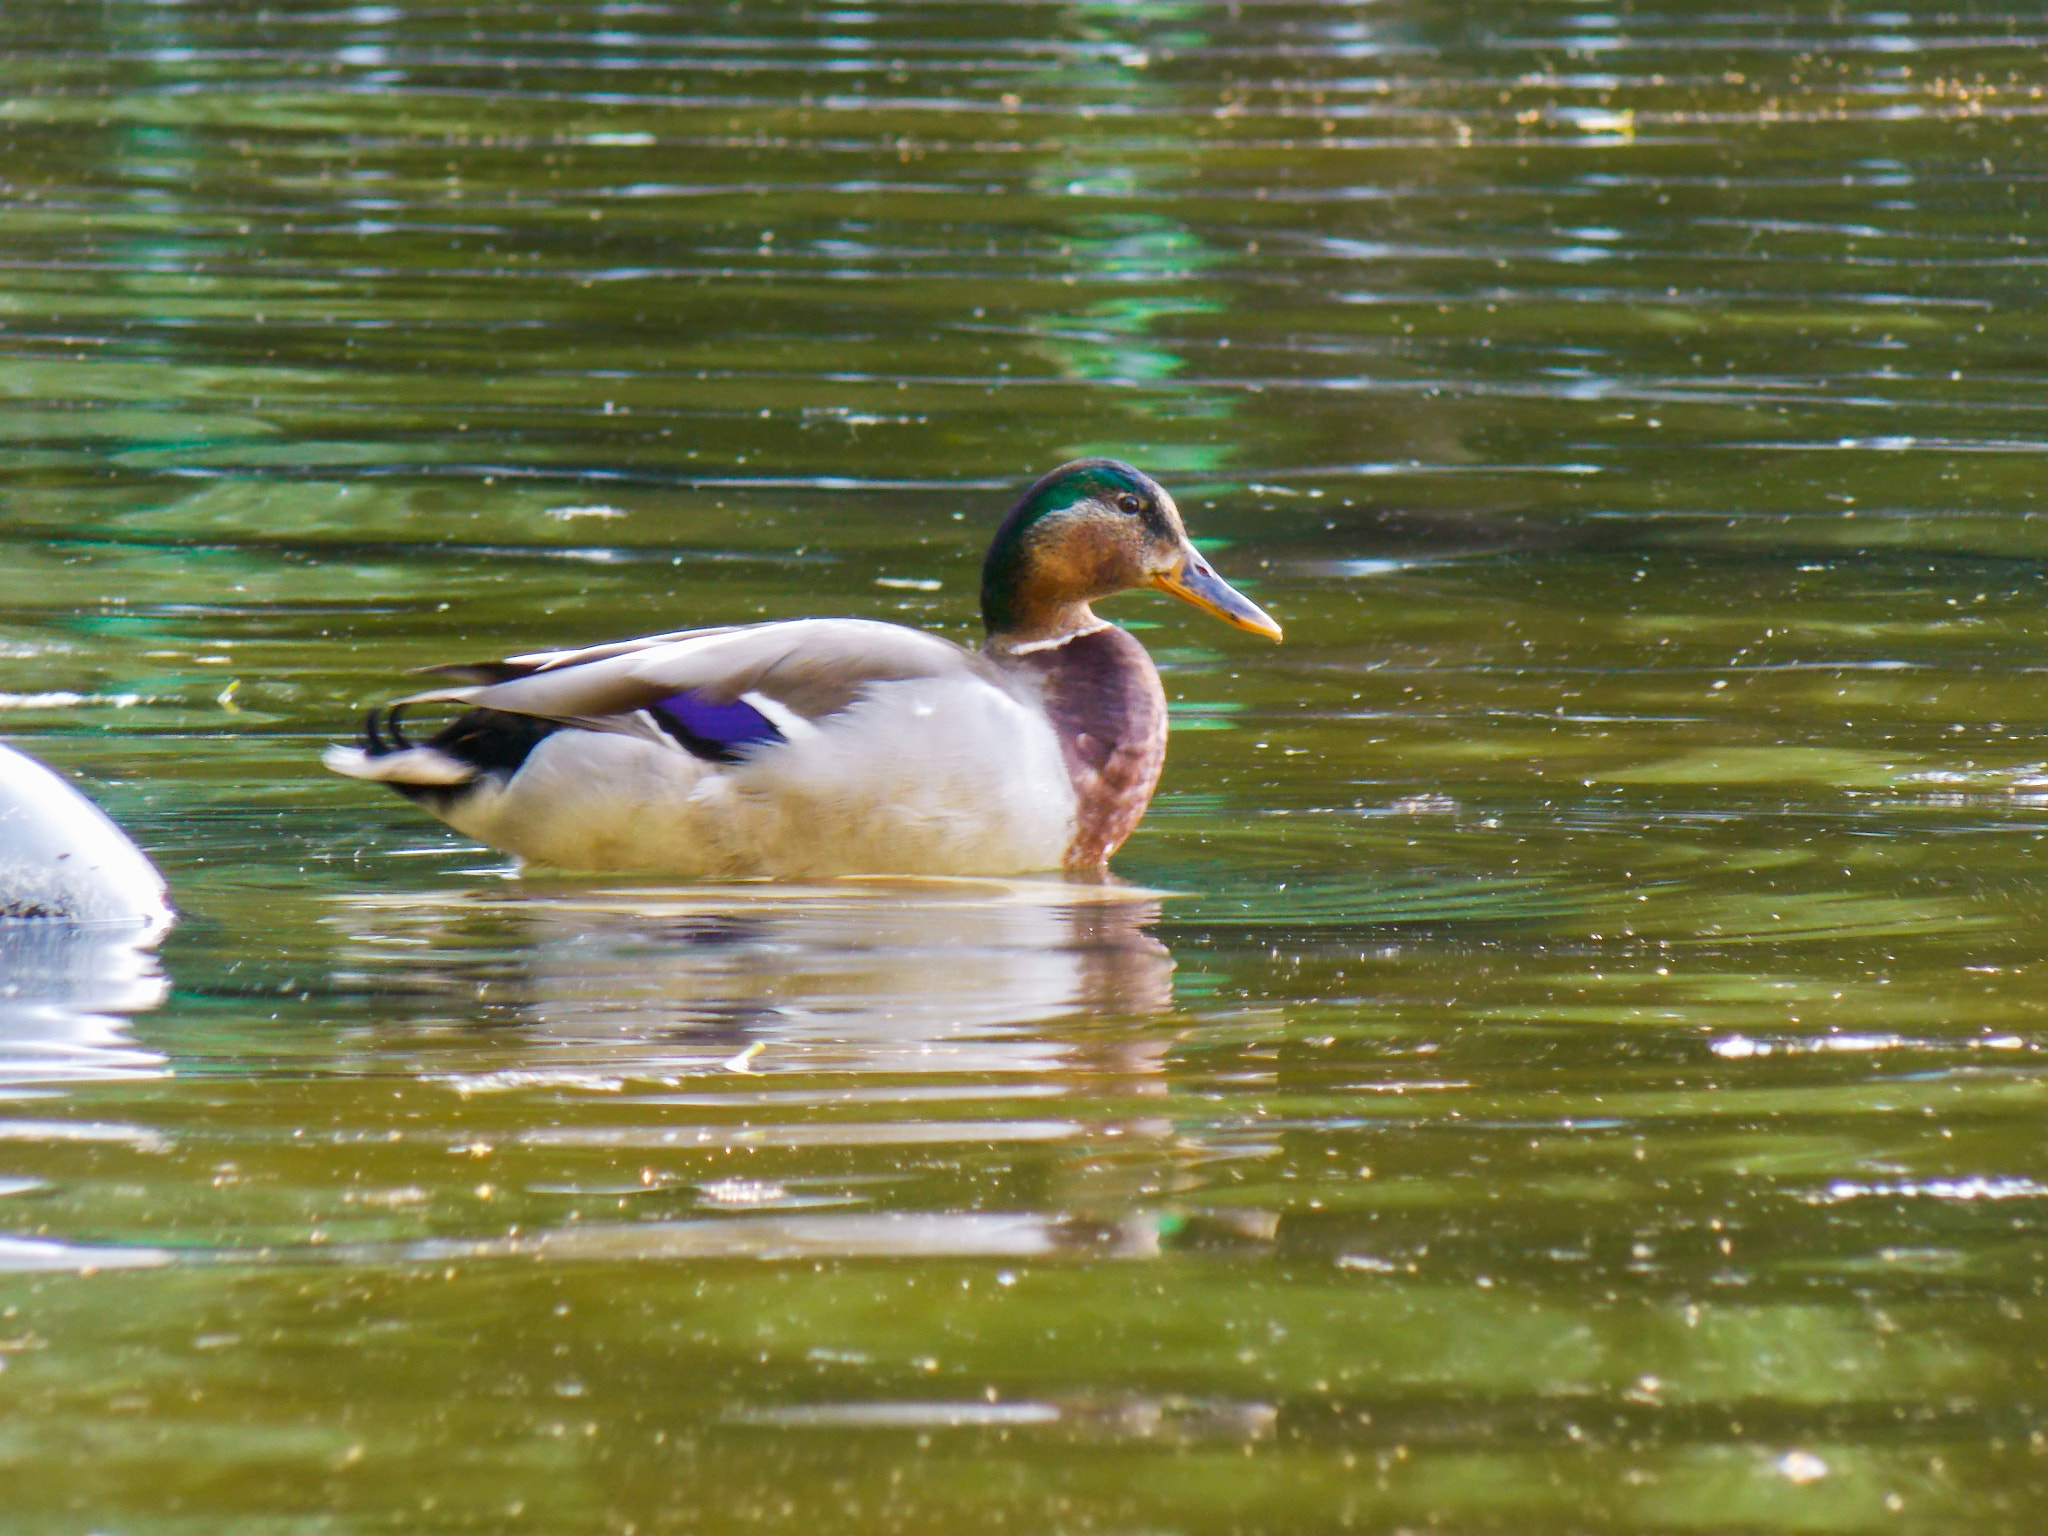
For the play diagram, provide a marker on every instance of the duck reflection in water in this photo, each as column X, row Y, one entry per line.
column 856, row 1034
column 867, row 975
column 66, row 992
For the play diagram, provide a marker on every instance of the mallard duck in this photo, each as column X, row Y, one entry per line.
column 838, row 746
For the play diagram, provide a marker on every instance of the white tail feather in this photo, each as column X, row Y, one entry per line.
column 413, row 765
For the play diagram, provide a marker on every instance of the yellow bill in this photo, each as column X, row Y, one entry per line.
column 1195, row 581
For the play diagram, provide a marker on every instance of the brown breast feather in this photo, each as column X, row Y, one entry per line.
column 1103, row 697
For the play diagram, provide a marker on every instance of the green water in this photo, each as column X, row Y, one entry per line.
column 1567, row 1057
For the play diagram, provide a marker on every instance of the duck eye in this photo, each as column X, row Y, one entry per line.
column 1129, row 503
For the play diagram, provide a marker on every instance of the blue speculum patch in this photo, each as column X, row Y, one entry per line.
column 719, row 732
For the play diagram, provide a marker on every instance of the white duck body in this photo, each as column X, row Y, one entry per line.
column 63, row 858
column 887, row 750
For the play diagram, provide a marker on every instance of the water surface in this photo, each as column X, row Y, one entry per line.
column 1562, row 1057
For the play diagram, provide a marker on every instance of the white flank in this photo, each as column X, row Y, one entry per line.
column 944, row 776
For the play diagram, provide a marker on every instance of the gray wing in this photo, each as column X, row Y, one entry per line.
column 813, row 667
column 548, row 661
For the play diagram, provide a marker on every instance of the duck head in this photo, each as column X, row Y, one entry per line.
column 1086, row 531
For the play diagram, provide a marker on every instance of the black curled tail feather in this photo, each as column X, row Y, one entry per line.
column 490, row 742
column 375, row 723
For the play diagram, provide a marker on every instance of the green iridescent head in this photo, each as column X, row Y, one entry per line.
column 1085, row 531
